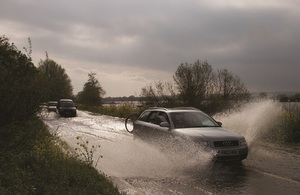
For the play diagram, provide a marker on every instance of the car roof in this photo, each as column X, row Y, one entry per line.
column 66, row 100
column 175, row 109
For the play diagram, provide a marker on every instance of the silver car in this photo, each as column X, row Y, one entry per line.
column 194, row 125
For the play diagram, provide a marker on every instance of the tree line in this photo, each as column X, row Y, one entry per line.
column 198, row 85
column 25, row 86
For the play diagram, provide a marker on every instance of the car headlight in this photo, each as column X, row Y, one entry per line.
column 243, row 142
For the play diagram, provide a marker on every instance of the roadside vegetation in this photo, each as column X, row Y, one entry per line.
column 286, row 129
column 32, row 160
column 116, row 111
column 57, row 83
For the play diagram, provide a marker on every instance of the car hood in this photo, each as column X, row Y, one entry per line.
column 208, row 133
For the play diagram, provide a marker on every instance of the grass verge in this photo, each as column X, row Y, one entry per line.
column 33, row 163
column 116, row 111
column 286, row 130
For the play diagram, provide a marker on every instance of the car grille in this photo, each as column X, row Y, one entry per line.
column 226, row 143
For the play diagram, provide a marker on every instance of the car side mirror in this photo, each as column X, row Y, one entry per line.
column 165, row 124
column 219, row 123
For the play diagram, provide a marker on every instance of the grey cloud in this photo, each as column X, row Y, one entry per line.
column 259, row 43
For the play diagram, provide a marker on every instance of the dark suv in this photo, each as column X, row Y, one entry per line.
column 163, row 124
column 66, row 107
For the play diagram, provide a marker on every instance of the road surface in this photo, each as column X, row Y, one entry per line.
column 140, row 168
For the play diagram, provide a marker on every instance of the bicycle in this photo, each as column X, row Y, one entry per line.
column 131, row 119
column 129, row 122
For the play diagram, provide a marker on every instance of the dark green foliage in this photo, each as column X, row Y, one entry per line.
column 286, row 98
column 31, row 163
column 286, row 129
column 92, row 92
column 20, row 84
column 57, row 82
column 119, row 111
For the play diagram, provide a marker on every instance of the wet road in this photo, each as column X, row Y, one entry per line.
column 268, row 169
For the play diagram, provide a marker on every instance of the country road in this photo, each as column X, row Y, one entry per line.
column 140, row 168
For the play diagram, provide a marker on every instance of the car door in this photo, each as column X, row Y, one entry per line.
column 150, row 127
column 144, row 125
column 164, row 133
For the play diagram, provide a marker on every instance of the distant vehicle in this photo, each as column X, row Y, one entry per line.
column 66, row 107
column 51, row 106
column 163, row 124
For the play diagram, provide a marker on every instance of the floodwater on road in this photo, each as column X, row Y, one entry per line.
column 269, row 169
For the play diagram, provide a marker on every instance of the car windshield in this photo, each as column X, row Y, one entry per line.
column 67, row 104
column 52, row 104
column 192, row 119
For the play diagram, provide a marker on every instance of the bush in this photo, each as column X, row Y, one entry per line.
column 287, row 128
column 20, row 84
column 32, row 163
column 116, row 111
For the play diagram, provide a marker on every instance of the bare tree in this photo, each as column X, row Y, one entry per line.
column 198, row 85
column 230, row 87
column 194, row 82
column 159, row 94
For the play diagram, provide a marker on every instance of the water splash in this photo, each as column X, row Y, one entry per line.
column 253, row 119
column 136, row 158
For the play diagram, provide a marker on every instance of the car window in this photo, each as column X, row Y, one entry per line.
column 153, row 117
column 163, row 117
column 192, row 119
column 144, row 116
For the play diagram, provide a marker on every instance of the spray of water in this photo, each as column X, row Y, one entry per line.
column 124, row 156
column 252, row 120
column 136, row 158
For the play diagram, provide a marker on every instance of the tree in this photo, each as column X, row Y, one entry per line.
column 92, row 92
column 198, row 85
column 230, row 87
column 159, row 94
column 20, row 84
column 295, row 97
column 194, row 82
column 58, row 83
column 263, row 95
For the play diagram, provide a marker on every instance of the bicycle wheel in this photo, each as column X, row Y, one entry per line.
column 129, row 122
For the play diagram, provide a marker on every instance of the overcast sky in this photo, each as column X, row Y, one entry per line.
column 130, row 44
